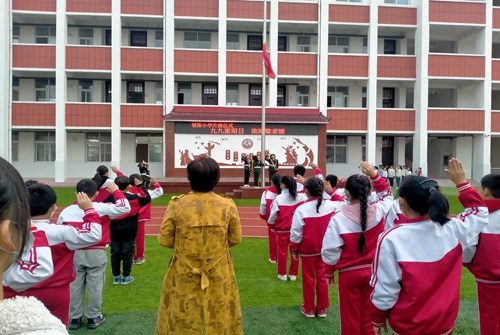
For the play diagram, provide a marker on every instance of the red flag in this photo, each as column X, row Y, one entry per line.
column 267, row 60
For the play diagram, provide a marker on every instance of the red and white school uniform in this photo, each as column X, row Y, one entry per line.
column 418, row 267
column 34, row 266
column 306, row 237
column 103, row 192
column 280, row 219
column 265, row 209
column 485, row 266
column 395, row 216
column 340, row 252
column 63, row 241
column 144, row 217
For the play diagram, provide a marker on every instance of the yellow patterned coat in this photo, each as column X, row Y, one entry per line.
column 200, row 294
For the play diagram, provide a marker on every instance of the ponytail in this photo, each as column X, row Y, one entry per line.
column 359, row 187
column 276, row 180
column 438, row 206
column 99, row 176
column 291, row 185
column 315, row 187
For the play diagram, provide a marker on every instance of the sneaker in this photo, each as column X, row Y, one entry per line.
column 139, row 261
column 272, row 261
column 282, row 277
column 308, row 313
column 127, row 280
column 293, row 278
column 117, row 280
column 76, row 323
column 321, row 312
column 93, row 323
column 246, row 185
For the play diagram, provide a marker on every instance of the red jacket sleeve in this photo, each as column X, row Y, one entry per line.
column 379, row 184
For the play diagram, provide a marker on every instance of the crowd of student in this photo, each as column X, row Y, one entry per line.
column 398, row 261
column 65, row 259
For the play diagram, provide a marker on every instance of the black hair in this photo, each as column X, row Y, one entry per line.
column 132, row 177
column 492, row 183
column 99, row 177
column 332, row 179
column 291, row 185
column 42, row 198
column 359, row 187
column 315, row 186
column 276, row 180
column 424, row 197
column 122, row 182
column 203, row 174
column 30, row 182
column 14, row 204
column 87, row 186
column 299, row 170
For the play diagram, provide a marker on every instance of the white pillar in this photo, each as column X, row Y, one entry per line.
column 399, row 151
column 222, row 51
column 5, row 80
column 371, row 136
column 323, row 30
column 421, row 87
column 116, row 82
column 272, row 91
column 61, row 87
column 168, row 47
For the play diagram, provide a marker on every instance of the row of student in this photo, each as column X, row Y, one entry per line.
column 381, row 272
column 85, row 226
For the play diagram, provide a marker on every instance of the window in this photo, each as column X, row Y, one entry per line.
column 303, row 43
column 337, row 96
column 336, row 149
column 302, row 96
column 282, row 43
column 254, row 42
column 45, row 35
column 45, row 90
column 86, row 36
column 45, row 147
column 184, row 94
column 398, row 2
column 15, row 146
column 210, row 94
column 338, row 45
column 197, row 40
column 389, row 47
column 108, row 91
column 148, row 147
column 388, row 97
column 135, row 92
column 365, row 45
column 107, row 36
column 98, row 147
column 363, row 97
column 159, row 39
column 85, row 88
column 255, row 95
column 233, row 42
column 410, row 46
column 15, row 89
column 16, row 32
column 138, row 38
column 159, row 92
column 155, row 150
column 232, row 91
column 363, row 148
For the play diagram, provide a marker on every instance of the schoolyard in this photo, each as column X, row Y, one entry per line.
column 269, row 306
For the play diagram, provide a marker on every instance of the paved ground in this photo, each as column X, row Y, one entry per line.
column 252, row 225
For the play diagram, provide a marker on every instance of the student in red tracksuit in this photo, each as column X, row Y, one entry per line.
column 101, row 177
column 265, row 209
column 144, row 214
column 308, row 229
column 280, row 218
column 349, row 246
column 483, row 260
column 418, row 263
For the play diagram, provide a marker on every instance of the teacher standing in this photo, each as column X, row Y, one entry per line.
column 200, row 294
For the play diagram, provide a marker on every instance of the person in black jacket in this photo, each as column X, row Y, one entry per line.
column 124, row 231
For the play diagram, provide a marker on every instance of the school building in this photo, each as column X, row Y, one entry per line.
column 90, row 82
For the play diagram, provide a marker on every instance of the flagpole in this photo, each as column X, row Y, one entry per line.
column 263, row 130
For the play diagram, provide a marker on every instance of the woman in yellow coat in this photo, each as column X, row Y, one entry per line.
column 200, row 294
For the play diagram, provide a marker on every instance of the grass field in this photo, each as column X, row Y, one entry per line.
column 270, row 307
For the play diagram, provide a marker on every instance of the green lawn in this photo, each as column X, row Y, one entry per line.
column 270, row 307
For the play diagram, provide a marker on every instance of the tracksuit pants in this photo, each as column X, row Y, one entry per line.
column 91, row 270
column 273, row 248
column 354, row 301
column 122, row 252
column 140, row 240
column 56, row 299
column 314, row 283
column 283, row 243
column 488, row 298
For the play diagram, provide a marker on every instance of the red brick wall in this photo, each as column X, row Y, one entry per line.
column 88, row 58
column 348, row 66
column 459, row 120
column 348, row 119
column 88, row 115
column 34, row 56
column 33, row 114
column 395, row 120
column 142, row 59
